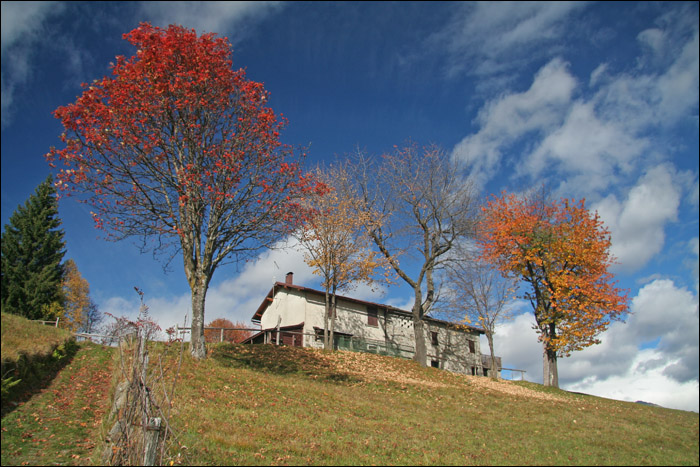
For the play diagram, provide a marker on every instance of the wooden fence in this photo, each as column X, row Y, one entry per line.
column 180, row 331
column 522, row 373
column 54, row 323
column 97, row 338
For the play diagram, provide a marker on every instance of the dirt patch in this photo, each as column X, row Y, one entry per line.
column 508, row 387
column 370, row 367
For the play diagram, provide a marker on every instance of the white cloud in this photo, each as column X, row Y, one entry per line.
column 660, row 97
column 232, row 19
column 655, row 39
column 487, row 39
column 597, row 74
column 235, row 299
column 663, row 311
column 603, row 137
column 637, row 224
column 694, row 193
column 539, row 110
column 693, row 261
column 663, row 316
column 678, row 87
column 585, row 145
column 22, row 21
column 515, row 341
column 402, row 303
column 653, row 356
column 643, row 382
column 22, row 26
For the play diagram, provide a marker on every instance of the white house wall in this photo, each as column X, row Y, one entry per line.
column 287, row 309
column 293, row 306
column 453, row 350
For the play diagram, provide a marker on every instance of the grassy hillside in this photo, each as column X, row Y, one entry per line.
column 31, row 355
column 23, row 337
column 266, row 405
column 63, row 392
column 62, row 423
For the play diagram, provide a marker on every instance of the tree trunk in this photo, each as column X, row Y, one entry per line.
column 325, row 322
column 421, row 355
column 494, row 367
column 550, row 372
column 199, row 292
column 333, row 314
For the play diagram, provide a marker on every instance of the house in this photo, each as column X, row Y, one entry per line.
column 293, row 315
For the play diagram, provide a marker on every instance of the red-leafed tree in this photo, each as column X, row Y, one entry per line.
column 226, row 331
column 561, row 251
column 180, row 149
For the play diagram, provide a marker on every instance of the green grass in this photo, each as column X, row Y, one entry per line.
column 32, row 354
column 267, row 405
column 23, row 337
column 262, row 405
column 62, row 423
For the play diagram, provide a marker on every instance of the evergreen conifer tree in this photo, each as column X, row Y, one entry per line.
column 32, row 251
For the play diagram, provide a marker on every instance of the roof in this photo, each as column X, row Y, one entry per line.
column 397, row 311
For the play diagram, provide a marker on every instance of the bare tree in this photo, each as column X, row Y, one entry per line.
column 335, row 243
column 93, row 317
column 423, row 208
column 477, row 292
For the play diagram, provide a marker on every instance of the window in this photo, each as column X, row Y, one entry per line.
column 472, row 347
column 372, row 318
column 434, row 337
column 435, row 363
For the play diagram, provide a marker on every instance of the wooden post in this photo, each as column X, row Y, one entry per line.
column 279, row 320
column 57, row 318
column 151, row 434
column 222, row 335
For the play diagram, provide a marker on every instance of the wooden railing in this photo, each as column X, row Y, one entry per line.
column 55, row 323
column 522, row 372
column 180, row 331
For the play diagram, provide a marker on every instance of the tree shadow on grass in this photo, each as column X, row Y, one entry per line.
column 279, row 360
column 28, row 375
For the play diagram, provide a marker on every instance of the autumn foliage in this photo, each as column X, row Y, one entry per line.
column 561, row 250
column 233, row 332
column 179, row 148
column 76, row 292
column 336, row 244
column 178, row 115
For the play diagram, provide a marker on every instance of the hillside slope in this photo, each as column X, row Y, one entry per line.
column 31, row 355
column 267, row 405
column 23, row 337
column 62, row 423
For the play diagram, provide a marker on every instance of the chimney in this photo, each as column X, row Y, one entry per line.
column 289, row 280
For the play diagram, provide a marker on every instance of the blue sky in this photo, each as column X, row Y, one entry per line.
column 598, row 100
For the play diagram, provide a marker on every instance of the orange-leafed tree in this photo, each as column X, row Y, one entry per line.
column 233, row 332
column 180, row 149
column 336, row 244
column 561, row 251
column 80, row 313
